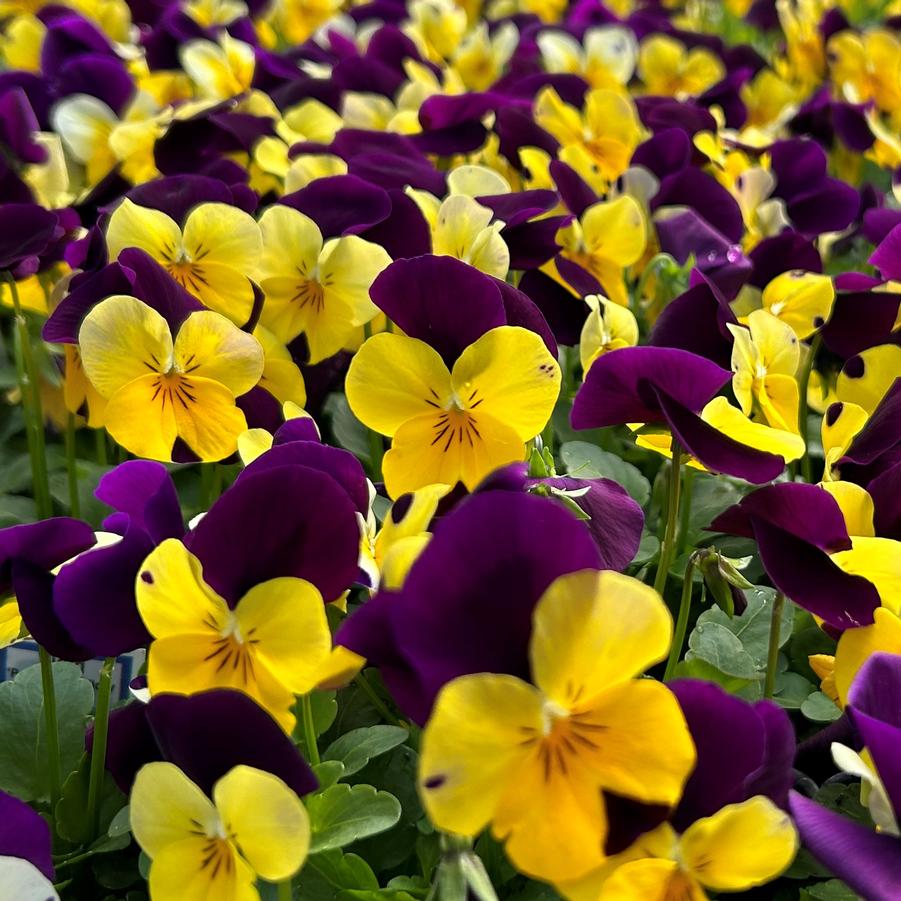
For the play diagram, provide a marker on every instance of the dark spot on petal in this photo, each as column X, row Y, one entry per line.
column 818, row 321
column 434, row 781
column 833, row 413
column 147, row 577
column 401, row 507
column 854, row 368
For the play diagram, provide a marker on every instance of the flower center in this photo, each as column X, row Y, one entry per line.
column 309, row 293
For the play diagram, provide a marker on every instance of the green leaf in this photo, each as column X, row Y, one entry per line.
column 356, row 748
column 15, row 510
column 833, row 890
column 721, row 648
column 325, row 709
column 345, row 813
column 23, row 751
column 695, row 668
column 710, row 496
column 71, row 811
column 328, row 772
column 752, row 628
column 820, row 708
column 585, row 461
column 844, row 798
column 349, row 432
column 89, row 474
column 648, row 549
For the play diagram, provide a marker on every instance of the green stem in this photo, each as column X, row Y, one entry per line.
column 668, row 545
column 675, row 651
column 98, row 751
column 802, row 404
column 52, row 726
column 71, row 470
column 285, row 891
column 685, row 512
column 31, row 402
column 100, row 443
column 309, row 729
column 363, row 683
column 376, row 445
column 769, row 684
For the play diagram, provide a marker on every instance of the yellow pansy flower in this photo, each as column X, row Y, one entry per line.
column 219, row 70
column 866, row 378
column 609, row 326
column 271, row 645
column 254, row 827
column 481, row 57
column 765, row 358
column 607, row 59
column 856, row 646
column 802, row 300
column 533, row 760
column 867, row 67
column 315, row 287
column 158, row 389
column 666, row 67
column 20, row 42
column 840, row 425
column 436, row 27
column 213, row 256
column 453, row 426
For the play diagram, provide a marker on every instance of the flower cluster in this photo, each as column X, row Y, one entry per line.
column 451, row 450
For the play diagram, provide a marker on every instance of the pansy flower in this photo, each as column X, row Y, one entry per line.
column 219, row 70
column 533, row 759
column 802, row 300
column 212, row 255
column 253, row 827
column 609, row 326
column 605, row 58
column 26, row 865
column 667, row 68
column 314, row 287
column 159, row 389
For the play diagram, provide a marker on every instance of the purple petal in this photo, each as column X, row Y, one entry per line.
column 564, row 313
column 885, row 490
column 94, row 596
column 781, row 253
column 876, row 691
column 292, row 521
column 859, row 320
column 439, row 300
column 462, row 610
column 620, row 385
column 575, row 192
column 158, row 289
column 532, row 244
column 145, row 491
column 882, row 431
column 25, row 230
column 717, row 451
column 702, row 192
column 177, row 195
column 24, row 833
column 44, row 544
column 869, row 862
column 404, row 233
column 664, row 153
column 64, row 322
column 341, row 204
column 130, row 744
column 209, row 733
column 887, row 256
column 519, row 309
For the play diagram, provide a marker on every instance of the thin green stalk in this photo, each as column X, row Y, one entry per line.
column 376, row 445
column 100, row 443
column 309, row 729
column 688, row 481
column 52, row 726
column 802, row 405
column 363, row 683
column 31, row 402
column 71, row 470
column 285, row 891
column 668, row 545
column 206, row 486
column 675, row 651
column 769, row 684
column 98, row 751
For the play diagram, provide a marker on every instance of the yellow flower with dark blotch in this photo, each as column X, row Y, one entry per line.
column 158, row 389
column 802, row 300
column 213, row 256
column 271, row 645
column 867, row 377
column 453, row 426
column 315, row 287
column 533, row 760
column 667, row 68
column 254, row 827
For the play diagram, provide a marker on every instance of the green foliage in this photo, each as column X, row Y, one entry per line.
column 586, row 461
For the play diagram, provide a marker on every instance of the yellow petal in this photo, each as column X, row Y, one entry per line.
column 471, row 747
column 266, row 819
column 218, row 286
column 875, row 370
column 292, row 242
column 463, row 230
column 141, row 417
column 166, row 807
column 779, row 399
column 399, row 559
column 615, row 231
column 10, row 623
column 857, row 645
column 413, row 520
column 729, row 420
column 85, row 124
column 740, row 846
column 393, row 378
column 209, row 346
column 775, row 342
column 651, row 880
column 173, row 598
column 199, row 869
column 285, row 620
column 856, row 506
column 840, row 425
column 448, row 447
column 802, row 300
column 593, row 630
column 207, row 418
column 560, row 119
column 348, row 266
column 645, row 750
column 877, row 560
column 281, row 377
column 509, row 374
column 219, row 233
column 151, row 230
column 122, row 339
column 253, row 443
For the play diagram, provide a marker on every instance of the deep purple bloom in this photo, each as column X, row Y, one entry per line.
column 887, row 256
column 796, row 527
column 341, row 204
column 466, row 604
column 25, row 834
column 862, row 316
column 205, row 735
column 877, row 446
column 25, row 231
column 867, row 860
column 669, row 386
